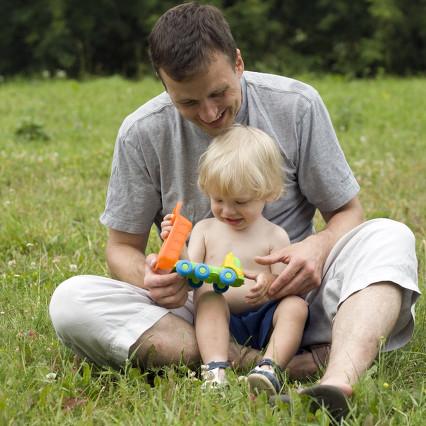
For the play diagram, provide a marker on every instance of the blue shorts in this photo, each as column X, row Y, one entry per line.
column 253, row 328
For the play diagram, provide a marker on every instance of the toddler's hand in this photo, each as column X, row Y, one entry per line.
column 259, row 292
column 166, row 226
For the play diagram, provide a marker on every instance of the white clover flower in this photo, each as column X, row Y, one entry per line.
column 11, row 263
column 51, row 377
column 73, row 267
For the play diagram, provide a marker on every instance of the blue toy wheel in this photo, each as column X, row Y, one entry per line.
column 227, row 276
column 184, row 268
column 194, row 284
column 220, row 288
column 202, row 271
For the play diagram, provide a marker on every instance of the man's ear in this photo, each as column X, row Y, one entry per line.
column 239, row 64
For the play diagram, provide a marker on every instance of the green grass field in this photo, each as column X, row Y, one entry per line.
column 56, row 144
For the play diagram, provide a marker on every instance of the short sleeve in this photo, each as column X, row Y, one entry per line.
column 132, row 200
column 325, row 177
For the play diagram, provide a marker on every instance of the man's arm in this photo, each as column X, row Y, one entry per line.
column 127, row 262
column 125, row 256
column 305, row 260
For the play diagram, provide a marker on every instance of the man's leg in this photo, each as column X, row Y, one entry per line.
column 360, row 324
column 172, row 340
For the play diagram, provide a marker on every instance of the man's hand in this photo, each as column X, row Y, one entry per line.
column 259, row 292
column 305, row 261
column 168, row 290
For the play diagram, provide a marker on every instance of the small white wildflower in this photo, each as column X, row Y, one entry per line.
column 50, row 377
column 191, row 374
column 73, row 267
column 33, row 265
column 2, row 312
column 11, row 263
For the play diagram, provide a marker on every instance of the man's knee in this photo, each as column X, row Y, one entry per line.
column 169, row 341
column 64, row 309
column 402, row 233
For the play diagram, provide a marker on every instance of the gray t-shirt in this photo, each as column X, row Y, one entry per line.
column 157, row 151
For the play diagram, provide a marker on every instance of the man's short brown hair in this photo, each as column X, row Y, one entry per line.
column 185, row 37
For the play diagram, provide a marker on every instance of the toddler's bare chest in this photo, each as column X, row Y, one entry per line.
column 245, row 249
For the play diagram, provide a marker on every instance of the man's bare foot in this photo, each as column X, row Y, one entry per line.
column 344, row 387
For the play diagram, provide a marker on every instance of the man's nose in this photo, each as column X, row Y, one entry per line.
column 208, row 111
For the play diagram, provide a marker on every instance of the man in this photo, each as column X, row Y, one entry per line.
column 360, row 278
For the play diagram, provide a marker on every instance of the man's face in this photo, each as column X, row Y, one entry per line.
column 212, row 98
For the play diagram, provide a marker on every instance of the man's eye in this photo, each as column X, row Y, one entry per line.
column 218, row 94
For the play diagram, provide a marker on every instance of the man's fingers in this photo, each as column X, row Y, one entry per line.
column 272, row 258
column 297, row 286
column 175, row 301
column 162, row 281
column 175, row 290
column 151, row 260
column 290, row 273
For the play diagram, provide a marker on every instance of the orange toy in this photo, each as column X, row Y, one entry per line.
column 173, row 245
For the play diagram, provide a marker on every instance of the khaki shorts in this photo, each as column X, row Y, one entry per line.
column 100, row 318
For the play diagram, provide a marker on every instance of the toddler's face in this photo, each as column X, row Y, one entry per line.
column 238, row 213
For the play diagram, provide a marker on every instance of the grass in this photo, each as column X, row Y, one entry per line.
column 56, row 143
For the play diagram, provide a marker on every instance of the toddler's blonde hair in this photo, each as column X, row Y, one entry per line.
column 242, row 161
